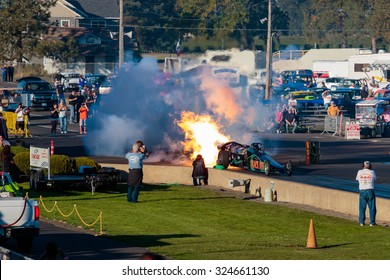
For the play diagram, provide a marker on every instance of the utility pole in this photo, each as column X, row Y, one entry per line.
column 121, row 52
column 268, row 61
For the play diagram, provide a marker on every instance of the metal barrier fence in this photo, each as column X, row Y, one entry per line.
column 10, row 119
column 335, row 125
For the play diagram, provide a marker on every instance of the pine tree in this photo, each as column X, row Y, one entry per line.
column 22, row 23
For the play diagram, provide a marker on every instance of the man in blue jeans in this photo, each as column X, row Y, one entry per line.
column 366, row 178
column 134, row 180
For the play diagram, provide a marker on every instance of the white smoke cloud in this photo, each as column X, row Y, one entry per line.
column 144, row 104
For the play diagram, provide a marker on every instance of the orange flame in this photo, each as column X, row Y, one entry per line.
column 201, row 136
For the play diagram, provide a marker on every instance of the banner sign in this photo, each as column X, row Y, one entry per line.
column 352, row 130
column 39, row 157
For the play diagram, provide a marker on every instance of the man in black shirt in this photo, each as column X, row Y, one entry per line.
column 72, row 106
column 79, row 101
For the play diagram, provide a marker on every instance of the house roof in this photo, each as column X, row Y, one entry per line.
column 95, row 8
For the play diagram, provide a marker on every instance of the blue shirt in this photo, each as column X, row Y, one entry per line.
column 135, row 160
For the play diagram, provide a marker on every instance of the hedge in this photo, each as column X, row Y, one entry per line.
column 59, row 164
column 84, row 161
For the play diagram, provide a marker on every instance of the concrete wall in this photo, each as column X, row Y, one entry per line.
column 287, row 191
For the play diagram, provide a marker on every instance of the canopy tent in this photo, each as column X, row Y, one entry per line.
column 378, row 65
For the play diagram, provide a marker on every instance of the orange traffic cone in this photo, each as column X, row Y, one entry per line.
column 311, row 238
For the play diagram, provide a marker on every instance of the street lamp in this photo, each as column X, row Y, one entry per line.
column 121, row 52
column 268, row 62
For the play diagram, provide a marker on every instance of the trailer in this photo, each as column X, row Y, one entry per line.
column 87, row 177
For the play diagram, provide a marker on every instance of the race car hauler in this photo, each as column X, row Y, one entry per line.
column 19, row 216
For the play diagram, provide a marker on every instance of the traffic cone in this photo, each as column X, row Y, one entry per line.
column 311, row 238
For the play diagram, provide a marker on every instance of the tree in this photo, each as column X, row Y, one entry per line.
column 335, row 21
column 295, row 10
column 22, row 23
column 157, row 24
column 62, row 51
column 377, row 21
column 234, row 17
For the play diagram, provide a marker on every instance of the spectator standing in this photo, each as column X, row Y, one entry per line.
column 386, row 114
column 20, row 113
column 83, row 113
column 327, row 99
column 81, row 82
column 54, row 115
column 290, row 120
column 90, row 100
column 4, row 71
column 10, row 72
column 6, row 158
column 60, row 94
column 79, row 101
column 199, row 171
column 62, row 108
column 333, row 110
column 134, row 180
column 364, row 92
column 72, row 100
column 279, row 118
column 366, row 178
column 58, row 78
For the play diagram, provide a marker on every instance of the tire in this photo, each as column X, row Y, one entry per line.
column 223, row 156
column 25, row 243
column 267, row 168
column 288, row 168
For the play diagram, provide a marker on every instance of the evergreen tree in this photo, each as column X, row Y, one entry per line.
column 157, row 24
column 22, row 23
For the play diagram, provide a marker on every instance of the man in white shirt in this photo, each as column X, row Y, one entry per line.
column 366, row 178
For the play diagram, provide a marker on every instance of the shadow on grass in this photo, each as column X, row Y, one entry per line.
column 321, row 247
column 147, row 241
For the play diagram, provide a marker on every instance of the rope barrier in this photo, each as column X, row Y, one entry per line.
column 55, row 207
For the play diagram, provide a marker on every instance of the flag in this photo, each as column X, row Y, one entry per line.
column 178, row 51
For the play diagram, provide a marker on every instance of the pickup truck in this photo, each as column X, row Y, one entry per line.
column 19, row 216
column 37, row 94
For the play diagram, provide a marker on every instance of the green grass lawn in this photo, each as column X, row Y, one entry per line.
column 188, row 223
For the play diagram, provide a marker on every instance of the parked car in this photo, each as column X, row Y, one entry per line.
column 22, row 81
column 71, row 81
column 307, row 99
column 105, row 87
column 346, row 99
column 38, row 94
column 346, row 83
column 333, row 82
column 382, row 94
column 94, row 81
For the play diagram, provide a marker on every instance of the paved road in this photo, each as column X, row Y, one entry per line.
column 79, row 244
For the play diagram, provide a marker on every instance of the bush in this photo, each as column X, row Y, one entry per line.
column 60, row 164
column 18, row 149
column 84, row 161
column 22, row 160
